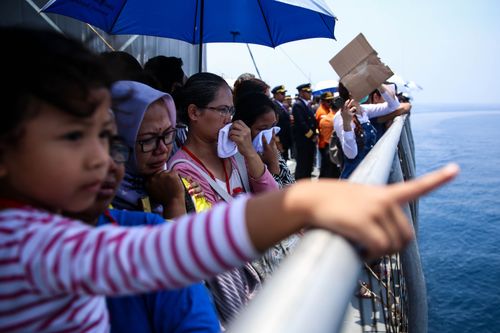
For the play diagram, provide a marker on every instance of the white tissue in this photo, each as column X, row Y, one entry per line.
column 225, row 146
column 268, row 134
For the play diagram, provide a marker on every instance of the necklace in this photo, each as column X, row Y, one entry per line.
column 110, row 217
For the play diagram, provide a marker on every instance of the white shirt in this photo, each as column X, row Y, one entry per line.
column 235, row 183
column 368, row 111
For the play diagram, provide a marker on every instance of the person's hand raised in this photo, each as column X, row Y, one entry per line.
column 194, row 188
column 270, row 155
column 348, row 111
column 241, row 135
column 166, row 188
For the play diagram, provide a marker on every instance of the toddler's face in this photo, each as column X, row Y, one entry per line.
column 61, row 160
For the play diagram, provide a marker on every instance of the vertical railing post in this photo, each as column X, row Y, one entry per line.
column 413, row 272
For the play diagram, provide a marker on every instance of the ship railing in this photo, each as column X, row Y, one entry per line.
column 314, row 288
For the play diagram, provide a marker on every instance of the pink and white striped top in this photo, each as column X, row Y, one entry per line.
column 54, row 272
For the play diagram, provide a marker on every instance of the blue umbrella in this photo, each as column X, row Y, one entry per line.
column 263, row 22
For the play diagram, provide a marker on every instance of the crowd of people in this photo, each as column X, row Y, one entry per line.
column 136, row 199
column 309, row 125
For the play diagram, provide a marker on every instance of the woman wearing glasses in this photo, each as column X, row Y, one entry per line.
column 146, row 120
column 206, row 106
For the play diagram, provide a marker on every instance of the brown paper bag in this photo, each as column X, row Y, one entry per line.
column 359, row 68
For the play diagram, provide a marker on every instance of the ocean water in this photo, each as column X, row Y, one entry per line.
column 459, row 230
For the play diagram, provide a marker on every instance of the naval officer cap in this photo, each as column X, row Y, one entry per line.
column 305, row 87
column 279, row 89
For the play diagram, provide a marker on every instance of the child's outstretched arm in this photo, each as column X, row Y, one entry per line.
column 63, row 256
column 368, row 215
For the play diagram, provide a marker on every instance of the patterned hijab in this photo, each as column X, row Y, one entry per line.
column 130, row 101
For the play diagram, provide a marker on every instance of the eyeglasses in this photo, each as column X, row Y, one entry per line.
column 151, row 144
column 223, row 110
column 118, row 150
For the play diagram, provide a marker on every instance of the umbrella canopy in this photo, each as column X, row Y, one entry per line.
column 263, row 22
column 324, row 86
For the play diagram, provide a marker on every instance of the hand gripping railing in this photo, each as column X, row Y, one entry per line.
column 313, row 287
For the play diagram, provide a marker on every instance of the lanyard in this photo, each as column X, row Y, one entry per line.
column 110, row 217
column 197, row 160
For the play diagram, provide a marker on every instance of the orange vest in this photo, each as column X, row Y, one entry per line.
column 325, row 130
column 320, row 112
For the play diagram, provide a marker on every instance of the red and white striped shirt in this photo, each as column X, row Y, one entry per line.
column 54, row 272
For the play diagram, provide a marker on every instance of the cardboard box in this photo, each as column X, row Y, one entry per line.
column 359, row 68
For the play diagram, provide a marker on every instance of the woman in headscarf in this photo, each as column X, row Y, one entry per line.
column 146, row 120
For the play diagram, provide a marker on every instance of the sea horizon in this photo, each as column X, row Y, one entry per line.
column 459, row 224
column 436, row 107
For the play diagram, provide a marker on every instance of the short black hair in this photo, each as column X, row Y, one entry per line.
column 248, row 86
column 251, row 106
column 122, row 65
column 167, row 70
column 46, row 66
column 343, row 92
column 200, row 89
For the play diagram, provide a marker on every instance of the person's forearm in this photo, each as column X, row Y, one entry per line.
column 349, row 145
column 272, row 216
column 174, row 208
column 273, row 167
column 255, row 166
column 386, row 118
column 368, row 215
column 403, row 109
column 347, row 126
column 391, row 99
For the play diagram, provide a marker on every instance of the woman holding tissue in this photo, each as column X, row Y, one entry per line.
column 257, row 111
column 220, row 156
column 218, row 153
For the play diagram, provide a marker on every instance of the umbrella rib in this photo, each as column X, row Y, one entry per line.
column 116, row 17
column 267, row 25
column 194, row 23
column 331, row 31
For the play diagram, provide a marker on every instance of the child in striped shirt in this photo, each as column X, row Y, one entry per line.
column 54, row 138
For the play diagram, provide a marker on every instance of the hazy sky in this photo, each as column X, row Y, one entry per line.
column 450, row 48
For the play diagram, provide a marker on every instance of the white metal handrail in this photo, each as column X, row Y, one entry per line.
column 312, row 288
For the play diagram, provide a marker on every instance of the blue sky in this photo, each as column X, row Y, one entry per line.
column 450, row 48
